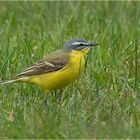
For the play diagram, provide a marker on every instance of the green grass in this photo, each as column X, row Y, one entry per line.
column 104, row 102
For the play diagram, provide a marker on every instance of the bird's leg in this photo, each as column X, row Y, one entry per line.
column 46, row 98
column 59, row 95
column 55, row 95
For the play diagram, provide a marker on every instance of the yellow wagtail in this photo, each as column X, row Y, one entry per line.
column 59, row 68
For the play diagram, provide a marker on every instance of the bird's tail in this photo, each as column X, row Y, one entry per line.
column 20, row 79
column 8, row 81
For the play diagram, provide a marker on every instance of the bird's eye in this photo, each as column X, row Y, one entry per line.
column 81, row 44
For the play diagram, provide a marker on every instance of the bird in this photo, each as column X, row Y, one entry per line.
column 59, row 68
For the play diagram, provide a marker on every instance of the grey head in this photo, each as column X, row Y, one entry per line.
column 78, row 44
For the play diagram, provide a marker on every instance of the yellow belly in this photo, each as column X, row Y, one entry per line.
column 63, row 77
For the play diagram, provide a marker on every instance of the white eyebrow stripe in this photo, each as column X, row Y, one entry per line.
column 78, row 43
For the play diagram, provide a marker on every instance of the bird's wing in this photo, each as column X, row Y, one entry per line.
column 53, row 62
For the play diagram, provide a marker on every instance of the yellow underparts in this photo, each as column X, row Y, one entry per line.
column 59, row 79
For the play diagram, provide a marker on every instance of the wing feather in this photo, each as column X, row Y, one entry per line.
column 53, row 62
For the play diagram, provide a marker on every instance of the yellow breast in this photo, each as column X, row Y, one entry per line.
column 63, row 77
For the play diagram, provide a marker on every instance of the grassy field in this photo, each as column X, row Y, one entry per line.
column 104, row 102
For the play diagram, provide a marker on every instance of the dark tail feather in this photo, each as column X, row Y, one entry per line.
column 7, row 81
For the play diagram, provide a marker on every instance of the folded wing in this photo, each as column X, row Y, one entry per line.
column 53, row 62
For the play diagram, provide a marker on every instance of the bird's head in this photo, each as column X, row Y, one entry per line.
column 79, row 45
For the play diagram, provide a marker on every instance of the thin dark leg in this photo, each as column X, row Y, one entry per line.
column 46, row 102
column 59, row 95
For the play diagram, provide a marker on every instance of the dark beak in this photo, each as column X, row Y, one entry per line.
column 91, row 44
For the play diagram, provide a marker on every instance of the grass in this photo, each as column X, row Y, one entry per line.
column 104, row 102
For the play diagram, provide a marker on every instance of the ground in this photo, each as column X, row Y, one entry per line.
column 104, row 102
